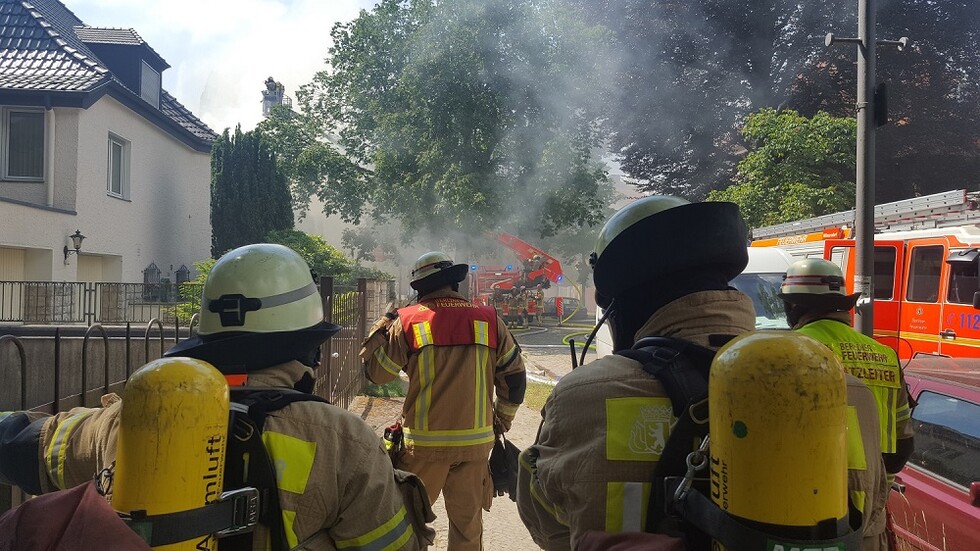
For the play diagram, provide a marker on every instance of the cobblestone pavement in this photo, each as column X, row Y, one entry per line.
column 502, row 526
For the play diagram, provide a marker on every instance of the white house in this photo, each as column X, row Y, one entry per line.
column 91, row 142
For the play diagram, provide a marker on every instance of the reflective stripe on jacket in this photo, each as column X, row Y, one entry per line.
column 867, row 483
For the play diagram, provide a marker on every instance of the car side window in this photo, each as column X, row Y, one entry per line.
column 947, row 437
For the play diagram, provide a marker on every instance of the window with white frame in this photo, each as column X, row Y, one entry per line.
column 23, row 144
column 150, row 85
column 117, row 181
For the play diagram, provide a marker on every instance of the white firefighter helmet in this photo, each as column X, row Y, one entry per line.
column 816, row 283
column 260, row 289
column 435, row 269
column 656, row 236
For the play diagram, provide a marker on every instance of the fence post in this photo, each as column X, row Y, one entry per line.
column 326, row 349
column 146, row 339
column 57, row 370
column 362, row 313
column 105, row 341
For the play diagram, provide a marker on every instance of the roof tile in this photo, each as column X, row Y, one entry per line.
column 42, row 47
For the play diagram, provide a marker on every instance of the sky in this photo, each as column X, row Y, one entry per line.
column 221, row 51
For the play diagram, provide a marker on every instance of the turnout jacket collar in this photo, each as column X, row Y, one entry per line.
column 446, row 292
column 843, row 317
column 278, row 376
column 696, row 316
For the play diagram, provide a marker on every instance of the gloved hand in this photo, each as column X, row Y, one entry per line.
column 503, row 467
column 501, row 423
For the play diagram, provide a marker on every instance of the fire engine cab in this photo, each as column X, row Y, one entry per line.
column 926, row 257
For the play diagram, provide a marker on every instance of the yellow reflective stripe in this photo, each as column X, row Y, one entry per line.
column 451, row 438
column 542, row 501
column 387, row 537
column 508, row 356
column 387, row 363
column 858, row 498
column 856, row 459
column 293, row 458
column 507, row 409
column 288, row 519
column 626, row 504
column 427, row 372
column 423, row 334
column 481, row 332
column 55, row 455
column 480, row 396
column 903, row 413
column 887, row 401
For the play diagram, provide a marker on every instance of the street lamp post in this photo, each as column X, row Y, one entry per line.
column 864, row 211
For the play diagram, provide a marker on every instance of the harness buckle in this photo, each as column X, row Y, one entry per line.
column 245, row 511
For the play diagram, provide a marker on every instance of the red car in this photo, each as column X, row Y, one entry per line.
column 935, row 501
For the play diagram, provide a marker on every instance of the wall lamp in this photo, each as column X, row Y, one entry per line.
column 76, row 241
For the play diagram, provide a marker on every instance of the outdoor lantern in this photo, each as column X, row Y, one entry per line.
column 76, row 242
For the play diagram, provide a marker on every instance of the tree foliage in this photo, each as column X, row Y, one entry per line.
column 693, row 70
column 465, row 114
column 798, row 167
column 249, row 194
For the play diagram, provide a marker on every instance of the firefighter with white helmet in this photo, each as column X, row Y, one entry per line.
column 466, row 380
column 817, row 305
column 331, row 484
column 661, row 267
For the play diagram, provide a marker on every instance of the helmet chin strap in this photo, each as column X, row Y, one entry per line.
column 588, row 341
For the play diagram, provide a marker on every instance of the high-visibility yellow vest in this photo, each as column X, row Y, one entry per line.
column 874, row 363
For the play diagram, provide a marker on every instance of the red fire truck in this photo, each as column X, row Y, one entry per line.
column 925, row 281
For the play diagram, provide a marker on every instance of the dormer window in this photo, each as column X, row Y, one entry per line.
column 149, row 84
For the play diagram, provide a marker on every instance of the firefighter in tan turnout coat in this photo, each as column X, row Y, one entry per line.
column 457, row 356
column 261, row 326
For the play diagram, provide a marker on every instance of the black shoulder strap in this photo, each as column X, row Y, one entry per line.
column 248, row 462
column 682, row 368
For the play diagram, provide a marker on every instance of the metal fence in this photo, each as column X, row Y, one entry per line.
column 55, row 368
column 51, row 302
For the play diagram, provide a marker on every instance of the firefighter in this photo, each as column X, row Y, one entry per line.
column 608, row 426
column 817, row 305
column 261, row 326
column 574, row 459
column 456, row 355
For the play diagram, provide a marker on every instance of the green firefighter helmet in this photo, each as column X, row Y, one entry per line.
column 660, row 235
column 436, row 269
column 258, row 296
column 816, row 283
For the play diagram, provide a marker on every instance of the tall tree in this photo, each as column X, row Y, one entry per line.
column 693, row 70
column 798, row 167
column 470, row 114
column 249, row 194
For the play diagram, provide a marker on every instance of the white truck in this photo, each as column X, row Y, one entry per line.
column 760, row 281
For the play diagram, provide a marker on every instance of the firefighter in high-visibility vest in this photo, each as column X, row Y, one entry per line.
column 466, row 380
column 818, row 306
column 261, row 326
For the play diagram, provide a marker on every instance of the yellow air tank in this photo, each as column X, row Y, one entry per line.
column 778, row 418
column 171, row 446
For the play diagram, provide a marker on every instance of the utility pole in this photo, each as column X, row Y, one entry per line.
column 864, row 210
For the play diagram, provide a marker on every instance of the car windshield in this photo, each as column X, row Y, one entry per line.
column 763, row 290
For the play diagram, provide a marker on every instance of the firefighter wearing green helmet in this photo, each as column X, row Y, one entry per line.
column 661, row 268
column 324, row 478
column 466, row 380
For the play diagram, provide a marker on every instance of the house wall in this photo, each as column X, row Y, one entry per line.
column 164, row 219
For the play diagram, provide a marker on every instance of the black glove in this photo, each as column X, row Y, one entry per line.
column 503, row 467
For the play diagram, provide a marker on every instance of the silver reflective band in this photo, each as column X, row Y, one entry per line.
column 275, row 300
